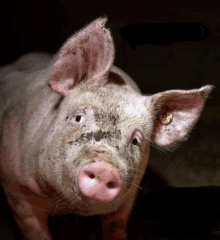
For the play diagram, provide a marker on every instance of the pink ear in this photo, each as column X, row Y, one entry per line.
column 177, row 111
column 89, row 54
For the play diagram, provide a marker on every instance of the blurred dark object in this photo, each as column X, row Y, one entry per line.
column 185, row 211
column 139, row 34
column 171, row 213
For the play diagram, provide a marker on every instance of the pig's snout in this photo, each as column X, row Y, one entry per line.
column 99, row 181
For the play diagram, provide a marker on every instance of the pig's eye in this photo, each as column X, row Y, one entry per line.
column 79, row 118
column 135, row 142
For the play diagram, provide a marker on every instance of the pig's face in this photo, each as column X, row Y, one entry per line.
column 103, row 125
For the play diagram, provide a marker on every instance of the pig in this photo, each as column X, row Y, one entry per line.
column 76, row 135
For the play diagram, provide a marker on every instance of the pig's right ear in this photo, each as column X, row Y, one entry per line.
column 176, row 112
column 89, row 55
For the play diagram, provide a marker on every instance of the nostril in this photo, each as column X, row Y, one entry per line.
column 111, row 185
column 91, row 175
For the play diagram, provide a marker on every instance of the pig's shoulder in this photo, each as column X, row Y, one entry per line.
column 120, row 78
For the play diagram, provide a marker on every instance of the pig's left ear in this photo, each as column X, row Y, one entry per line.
column 176, row 112
column 89, row 54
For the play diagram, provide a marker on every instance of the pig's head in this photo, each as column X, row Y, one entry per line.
column 99, row 143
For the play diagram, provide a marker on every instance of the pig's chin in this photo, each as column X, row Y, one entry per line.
column 86, row 208
column 89, row 201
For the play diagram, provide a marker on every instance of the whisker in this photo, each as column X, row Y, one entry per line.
column 161, row 150
column 68, row 217
column 138, row 170
column 54, row 213
column 136, row 185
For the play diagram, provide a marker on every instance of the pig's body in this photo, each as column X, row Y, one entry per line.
column 82, row 146
column 41, row 112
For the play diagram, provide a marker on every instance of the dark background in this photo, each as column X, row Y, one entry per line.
column 190, row 211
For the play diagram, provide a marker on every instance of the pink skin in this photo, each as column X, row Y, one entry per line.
column 99, row 181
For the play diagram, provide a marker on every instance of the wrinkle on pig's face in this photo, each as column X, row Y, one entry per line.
column 99, row 135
